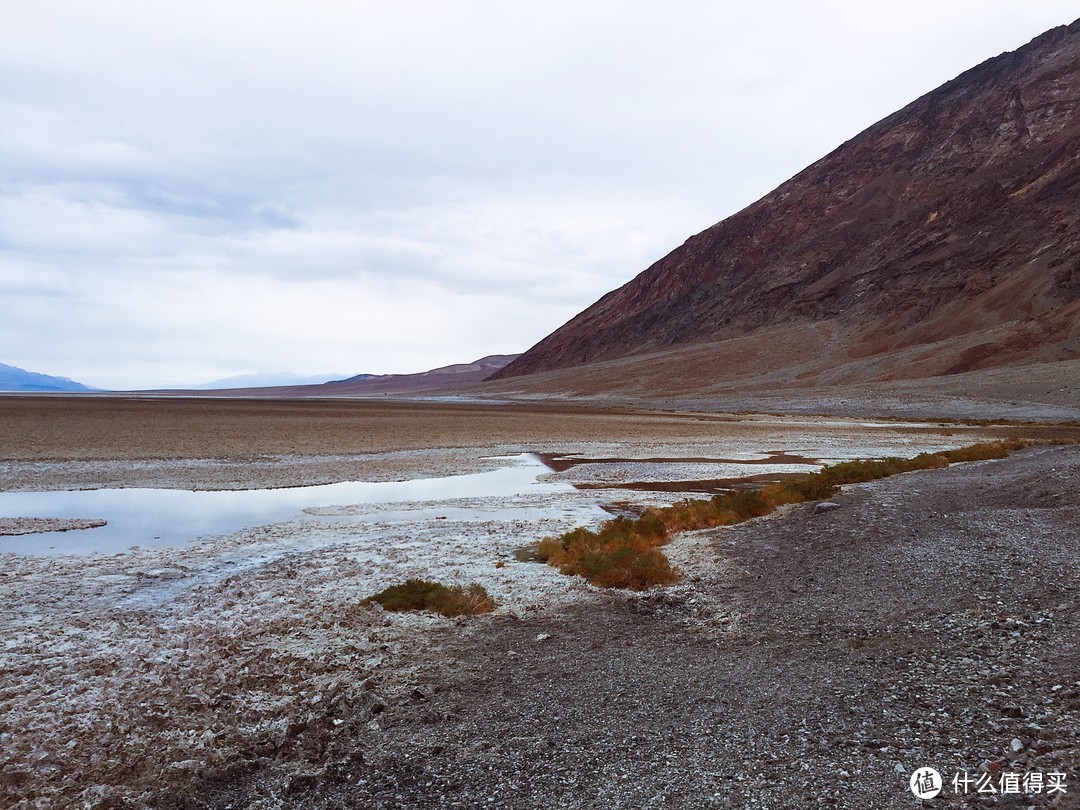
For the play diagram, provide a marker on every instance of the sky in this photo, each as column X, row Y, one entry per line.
column 191, row 191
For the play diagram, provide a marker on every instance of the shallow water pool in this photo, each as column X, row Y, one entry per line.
column 174, row 517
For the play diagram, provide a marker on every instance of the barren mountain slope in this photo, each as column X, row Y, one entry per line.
column 943, row 239
column 445, row 378
column 434, row 380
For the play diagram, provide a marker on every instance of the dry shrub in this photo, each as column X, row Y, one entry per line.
column 421, row 594
column 692, row 514
column 613, row 557
column 811, row 487
column 986, row 450
column 623, row 553
column 745, row 504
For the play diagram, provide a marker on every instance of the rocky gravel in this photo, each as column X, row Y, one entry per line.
column 815, row 657
column 808, row 659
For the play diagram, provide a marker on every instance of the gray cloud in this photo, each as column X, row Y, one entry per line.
column 197, row 190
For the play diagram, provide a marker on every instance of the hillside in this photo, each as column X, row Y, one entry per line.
column 942, row 240
column 436, row 379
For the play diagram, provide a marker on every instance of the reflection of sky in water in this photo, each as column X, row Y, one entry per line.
column 172, row 517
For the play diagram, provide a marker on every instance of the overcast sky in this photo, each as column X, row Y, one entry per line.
column 200, row 189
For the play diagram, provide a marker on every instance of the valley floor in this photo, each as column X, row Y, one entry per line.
column 805, row 659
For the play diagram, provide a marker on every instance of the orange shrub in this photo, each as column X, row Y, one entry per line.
column 622, row 552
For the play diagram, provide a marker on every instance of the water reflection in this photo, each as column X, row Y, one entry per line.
column 173, row 517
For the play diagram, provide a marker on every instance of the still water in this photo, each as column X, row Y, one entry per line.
column 173, row 517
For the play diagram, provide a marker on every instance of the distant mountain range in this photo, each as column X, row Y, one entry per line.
column 941, row 241
column 18, row 379
column 264, row 380
column 445, row 377
column 285, row 384
column 437, row 379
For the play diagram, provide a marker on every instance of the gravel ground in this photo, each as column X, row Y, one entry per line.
column 807, row 659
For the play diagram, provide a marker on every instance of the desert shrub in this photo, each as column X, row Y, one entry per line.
column 550, row 549
column 856, row 472
column 928, row 461
column 744, row 503
column 810, row 487
column 651, row 527
column 623, row 553
column 986, row 450
column 614, row 557
column 692, row 514
column 421, row 594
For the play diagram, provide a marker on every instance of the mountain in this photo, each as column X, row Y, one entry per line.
column 17, row 379
column 263, row 380
column 944, row 239
column 439, row 379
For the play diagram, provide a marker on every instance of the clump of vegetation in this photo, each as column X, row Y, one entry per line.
column 422, row 594
column 978, row 452
column 624, row 552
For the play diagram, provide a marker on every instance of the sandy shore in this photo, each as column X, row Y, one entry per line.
column 242, row 672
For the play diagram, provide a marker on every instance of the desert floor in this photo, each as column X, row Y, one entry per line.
column 804, row 659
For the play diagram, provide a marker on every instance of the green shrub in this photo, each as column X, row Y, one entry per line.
column 421, row 594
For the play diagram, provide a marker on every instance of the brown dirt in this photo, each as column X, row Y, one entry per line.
column 685, row 378
column 115, row 427
column 72, row 427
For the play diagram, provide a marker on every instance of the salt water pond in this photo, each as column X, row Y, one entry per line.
column 173, row 517
column 526, row 487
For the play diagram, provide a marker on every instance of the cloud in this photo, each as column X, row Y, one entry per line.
column 197, row 190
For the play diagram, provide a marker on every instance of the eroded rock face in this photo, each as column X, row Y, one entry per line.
column 951, row 224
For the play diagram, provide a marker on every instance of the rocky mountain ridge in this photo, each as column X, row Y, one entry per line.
column 940, row 240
